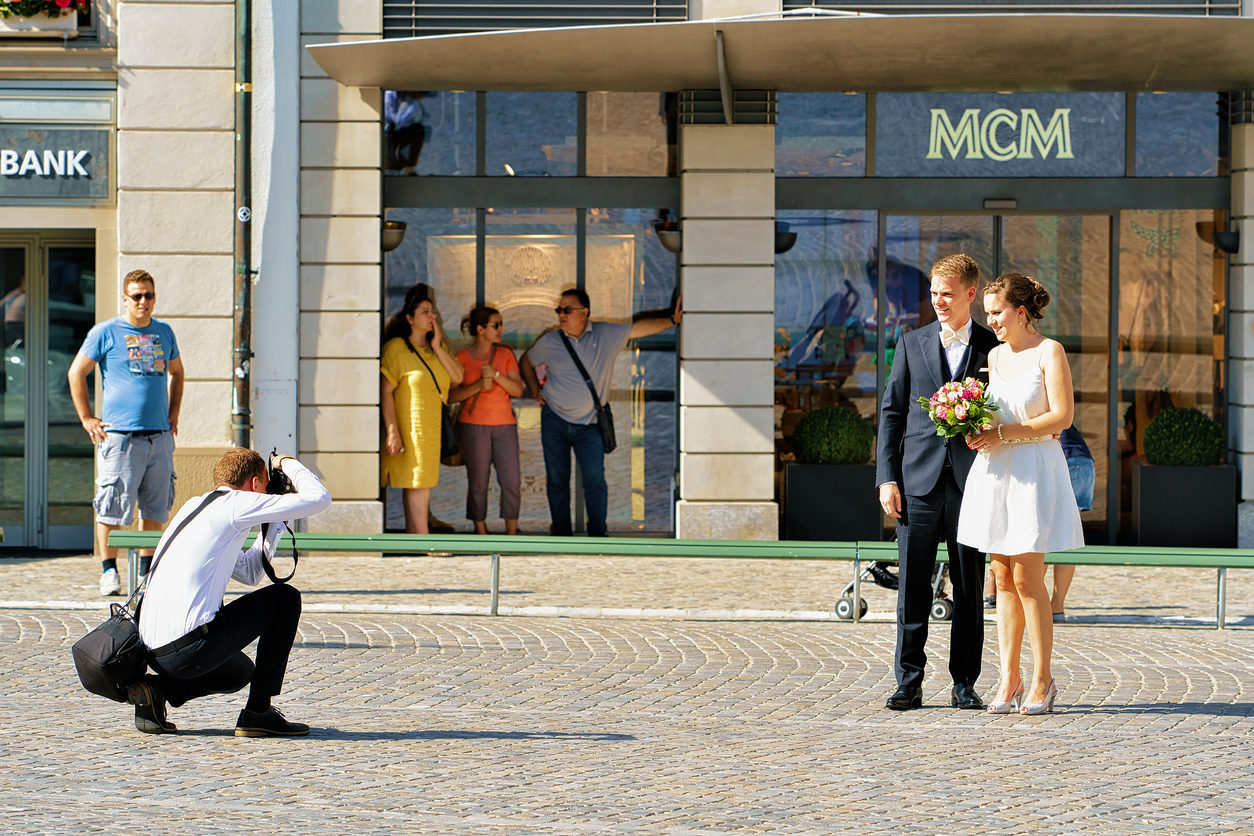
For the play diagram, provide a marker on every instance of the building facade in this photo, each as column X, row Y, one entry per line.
column 799, row 231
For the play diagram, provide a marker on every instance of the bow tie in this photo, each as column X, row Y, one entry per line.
column 949, row 337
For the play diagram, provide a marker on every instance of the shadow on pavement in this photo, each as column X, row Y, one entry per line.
column 461, row 734
column 441, row 591
column 1214, row 709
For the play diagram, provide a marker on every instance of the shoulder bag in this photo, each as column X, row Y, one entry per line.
column 605, row 418
column 448, row 438
column 111, row 657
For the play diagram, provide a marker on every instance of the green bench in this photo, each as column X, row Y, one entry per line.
column 856, row 552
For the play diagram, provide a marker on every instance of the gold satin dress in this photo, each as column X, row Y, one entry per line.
column 417, row 415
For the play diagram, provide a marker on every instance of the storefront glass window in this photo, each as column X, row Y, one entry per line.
column 821, row 135
column 631, row 134
column 531, row 134
column 13, row 394
column 628, row 273
column 1070, row 256
column 1177, row 135
column 825, row 319
column 1171, row 307
column 429, row 132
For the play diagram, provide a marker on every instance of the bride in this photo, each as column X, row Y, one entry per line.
column 1018, row 503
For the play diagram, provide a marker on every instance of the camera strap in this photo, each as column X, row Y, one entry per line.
column 265, row 561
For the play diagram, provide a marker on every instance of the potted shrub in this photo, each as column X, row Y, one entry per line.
column 1183, row 494
column 40, row 18
column 829, row 492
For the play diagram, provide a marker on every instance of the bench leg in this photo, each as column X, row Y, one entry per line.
column 1221, row 600
column 857, row 590
column 496, row 584
column 132, row 571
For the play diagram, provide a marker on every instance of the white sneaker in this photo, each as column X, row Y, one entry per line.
column 110, row 584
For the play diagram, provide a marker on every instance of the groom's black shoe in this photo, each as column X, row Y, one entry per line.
column 964, row 696
column 905, row 698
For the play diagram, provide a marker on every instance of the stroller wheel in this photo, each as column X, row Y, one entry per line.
column 844, row 608
column 942, row 609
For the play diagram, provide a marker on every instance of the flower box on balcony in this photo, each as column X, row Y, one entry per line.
column 64, row 25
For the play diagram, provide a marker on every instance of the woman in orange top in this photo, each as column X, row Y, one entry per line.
column 487, row 429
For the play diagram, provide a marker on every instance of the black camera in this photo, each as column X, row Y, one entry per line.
column 279, row 482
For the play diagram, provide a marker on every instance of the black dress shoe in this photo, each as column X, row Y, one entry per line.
column 883, row 577
column 964, row 696
column 267, row 724
column 905, row 698
column 149, row 704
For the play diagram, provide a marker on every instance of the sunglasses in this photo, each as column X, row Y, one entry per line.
column 141, row 297
column 568, row 310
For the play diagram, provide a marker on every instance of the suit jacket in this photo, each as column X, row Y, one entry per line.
column 909, row 452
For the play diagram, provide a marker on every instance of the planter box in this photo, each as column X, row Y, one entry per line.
column 1184, row 506
column 831, row 502
column 40, row 26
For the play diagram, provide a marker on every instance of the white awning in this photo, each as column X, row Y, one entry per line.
column 889, row 53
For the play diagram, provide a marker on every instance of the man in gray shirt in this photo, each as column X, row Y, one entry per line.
column 568, row 418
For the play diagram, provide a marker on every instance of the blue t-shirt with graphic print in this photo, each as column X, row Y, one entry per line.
column 133, row 363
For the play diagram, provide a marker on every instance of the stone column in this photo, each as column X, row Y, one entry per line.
column 340, row 271
column 175, row 216
column 1241, row 312
column 726, row 345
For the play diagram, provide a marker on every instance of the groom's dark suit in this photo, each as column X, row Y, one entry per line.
column 930, row 471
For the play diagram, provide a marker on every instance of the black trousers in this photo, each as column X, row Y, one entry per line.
column 216, row 663
column 925, row 522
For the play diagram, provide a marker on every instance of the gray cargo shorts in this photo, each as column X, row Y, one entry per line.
column 134, row 470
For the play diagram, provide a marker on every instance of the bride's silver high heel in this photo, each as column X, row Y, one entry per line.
column 1046, row 707
column 1010, row 706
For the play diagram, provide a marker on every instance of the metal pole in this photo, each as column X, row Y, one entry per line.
column 857, row 589
column 241, row 338
column 1221, row 600
column 132, row 570
column 496, row 583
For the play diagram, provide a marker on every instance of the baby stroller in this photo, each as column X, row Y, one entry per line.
column 942, row 606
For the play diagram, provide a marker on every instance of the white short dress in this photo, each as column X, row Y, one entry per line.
column 1018, row 497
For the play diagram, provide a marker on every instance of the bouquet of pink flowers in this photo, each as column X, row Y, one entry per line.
column 960, row 408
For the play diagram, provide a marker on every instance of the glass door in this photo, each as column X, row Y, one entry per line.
column 15, row 261
column 46, row 460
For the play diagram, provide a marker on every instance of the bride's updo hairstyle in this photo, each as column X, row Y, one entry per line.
column 1020, row 291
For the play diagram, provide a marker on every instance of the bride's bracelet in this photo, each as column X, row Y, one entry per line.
column 1032, row 440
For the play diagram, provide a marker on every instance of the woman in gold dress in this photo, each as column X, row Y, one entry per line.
column 416, row 373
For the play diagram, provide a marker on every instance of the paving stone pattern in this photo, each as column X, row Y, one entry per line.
column 435, row 723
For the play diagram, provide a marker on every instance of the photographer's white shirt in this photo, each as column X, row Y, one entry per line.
column 188, row 582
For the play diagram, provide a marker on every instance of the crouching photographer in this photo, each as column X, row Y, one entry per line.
column 195, row 642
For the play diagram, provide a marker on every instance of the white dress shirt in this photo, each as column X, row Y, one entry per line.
column 955, row 350
column 188, row 582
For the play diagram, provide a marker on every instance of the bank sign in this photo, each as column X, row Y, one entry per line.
column 49, row 164
column 999, row 135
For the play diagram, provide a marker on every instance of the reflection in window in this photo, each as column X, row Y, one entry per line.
column 429, row 132
column 1177, row 135
column 1070, row 256
column 531, row 134
column 1171, row 304
column 631, row 134
column 821, row 135
column 623, row 253
column 825, row 319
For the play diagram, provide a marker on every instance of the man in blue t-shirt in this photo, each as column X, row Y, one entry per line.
column 142, row 377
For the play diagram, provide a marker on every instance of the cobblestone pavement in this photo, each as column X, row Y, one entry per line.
column 439, row 723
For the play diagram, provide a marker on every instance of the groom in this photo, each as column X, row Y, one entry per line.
column 920, row 477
